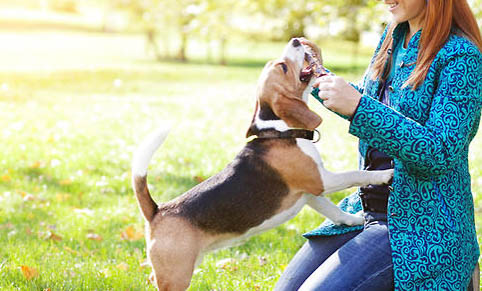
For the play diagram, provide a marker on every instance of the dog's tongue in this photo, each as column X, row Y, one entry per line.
column 306, row 72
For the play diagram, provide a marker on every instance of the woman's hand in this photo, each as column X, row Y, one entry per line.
column 338, row 95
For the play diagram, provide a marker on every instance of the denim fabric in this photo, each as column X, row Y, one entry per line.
column 360, row 260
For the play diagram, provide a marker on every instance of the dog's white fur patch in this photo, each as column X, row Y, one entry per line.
column 146, row 149
column 295, row 54
column 278, row 125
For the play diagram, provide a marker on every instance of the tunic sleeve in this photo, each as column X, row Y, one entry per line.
column 431, row 148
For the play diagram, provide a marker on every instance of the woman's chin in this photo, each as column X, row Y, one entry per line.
column 398, row 18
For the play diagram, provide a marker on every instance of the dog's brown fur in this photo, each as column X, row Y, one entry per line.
column 229, row 204
column 179, row 231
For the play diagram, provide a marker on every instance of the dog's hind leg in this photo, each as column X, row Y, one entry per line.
column 173, row 250
column 173, row 267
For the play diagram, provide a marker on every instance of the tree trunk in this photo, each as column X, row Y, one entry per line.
column 223, row 51
column 152, row 44
column 181, row 55
column 209, row 53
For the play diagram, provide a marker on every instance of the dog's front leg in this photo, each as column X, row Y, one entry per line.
column 324, row 206
column 334, row 182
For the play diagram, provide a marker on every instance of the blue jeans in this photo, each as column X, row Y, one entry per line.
column 360, row 260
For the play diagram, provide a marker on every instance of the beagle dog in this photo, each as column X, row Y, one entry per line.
column 266, row 184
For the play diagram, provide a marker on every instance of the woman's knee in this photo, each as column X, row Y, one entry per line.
column 306, row 260
column 311, row 255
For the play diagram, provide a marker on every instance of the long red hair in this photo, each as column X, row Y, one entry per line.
column 440, row 17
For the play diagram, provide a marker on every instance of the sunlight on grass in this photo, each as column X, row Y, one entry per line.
column 71, row 118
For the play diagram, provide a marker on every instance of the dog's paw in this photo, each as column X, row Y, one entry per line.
column 382, row 177
column 350, row 219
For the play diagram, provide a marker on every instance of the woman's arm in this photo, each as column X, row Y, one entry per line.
column 432, row 148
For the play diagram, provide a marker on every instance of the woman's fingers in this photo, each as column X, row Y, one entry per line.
column 324, row 92
column 323, row 80
column 325, row 86
column 337, row 94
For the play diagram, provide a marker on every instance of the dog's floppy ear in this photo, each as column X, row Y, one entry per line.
column 295, row 112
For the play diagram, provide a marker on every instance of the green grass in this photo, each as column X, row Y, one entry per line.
column 67, row 141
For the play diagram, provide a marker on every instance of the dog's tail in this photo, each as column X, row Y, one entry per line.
column 141, row 159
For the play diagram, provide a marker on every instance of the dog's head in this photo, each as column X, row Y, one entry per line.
column 284, row 85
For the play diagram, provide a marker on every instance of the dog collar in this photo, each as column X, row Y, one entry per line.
column 290, row 133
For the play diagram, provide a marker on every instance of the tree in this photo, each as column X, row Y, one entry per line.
column 181, row 14
column 358, row 16
column 292, row 16
column 215, row 23
column 163, row 15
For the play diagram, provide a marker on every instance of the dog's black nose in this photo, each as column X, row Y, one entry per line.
column 296, row 42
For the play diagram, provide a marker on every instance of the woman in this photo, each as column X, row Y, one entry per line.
column 416, row 111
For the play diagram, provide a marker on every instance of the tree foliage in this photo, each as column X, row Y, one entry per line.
column 216, row 21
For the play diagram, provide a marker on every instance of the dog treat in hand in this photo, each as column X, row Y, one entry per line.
column 315, row 63
column 315, row 67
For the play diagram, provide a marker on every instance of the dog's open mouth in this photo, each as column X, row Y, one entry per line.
column 307, row 71
column 312, row 66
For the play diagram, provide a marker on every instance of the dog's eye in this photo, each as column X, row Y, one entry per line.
column 285, row 67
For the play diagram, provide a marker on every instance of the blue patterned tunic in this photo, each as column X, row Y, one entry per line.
column 427, row 131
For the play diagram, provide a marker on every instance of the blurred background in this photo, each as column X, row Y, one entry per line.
column 45, row 34
column 82, row 82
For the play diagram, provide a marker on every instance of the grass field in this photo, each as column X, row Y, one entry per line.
column 71, row 116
